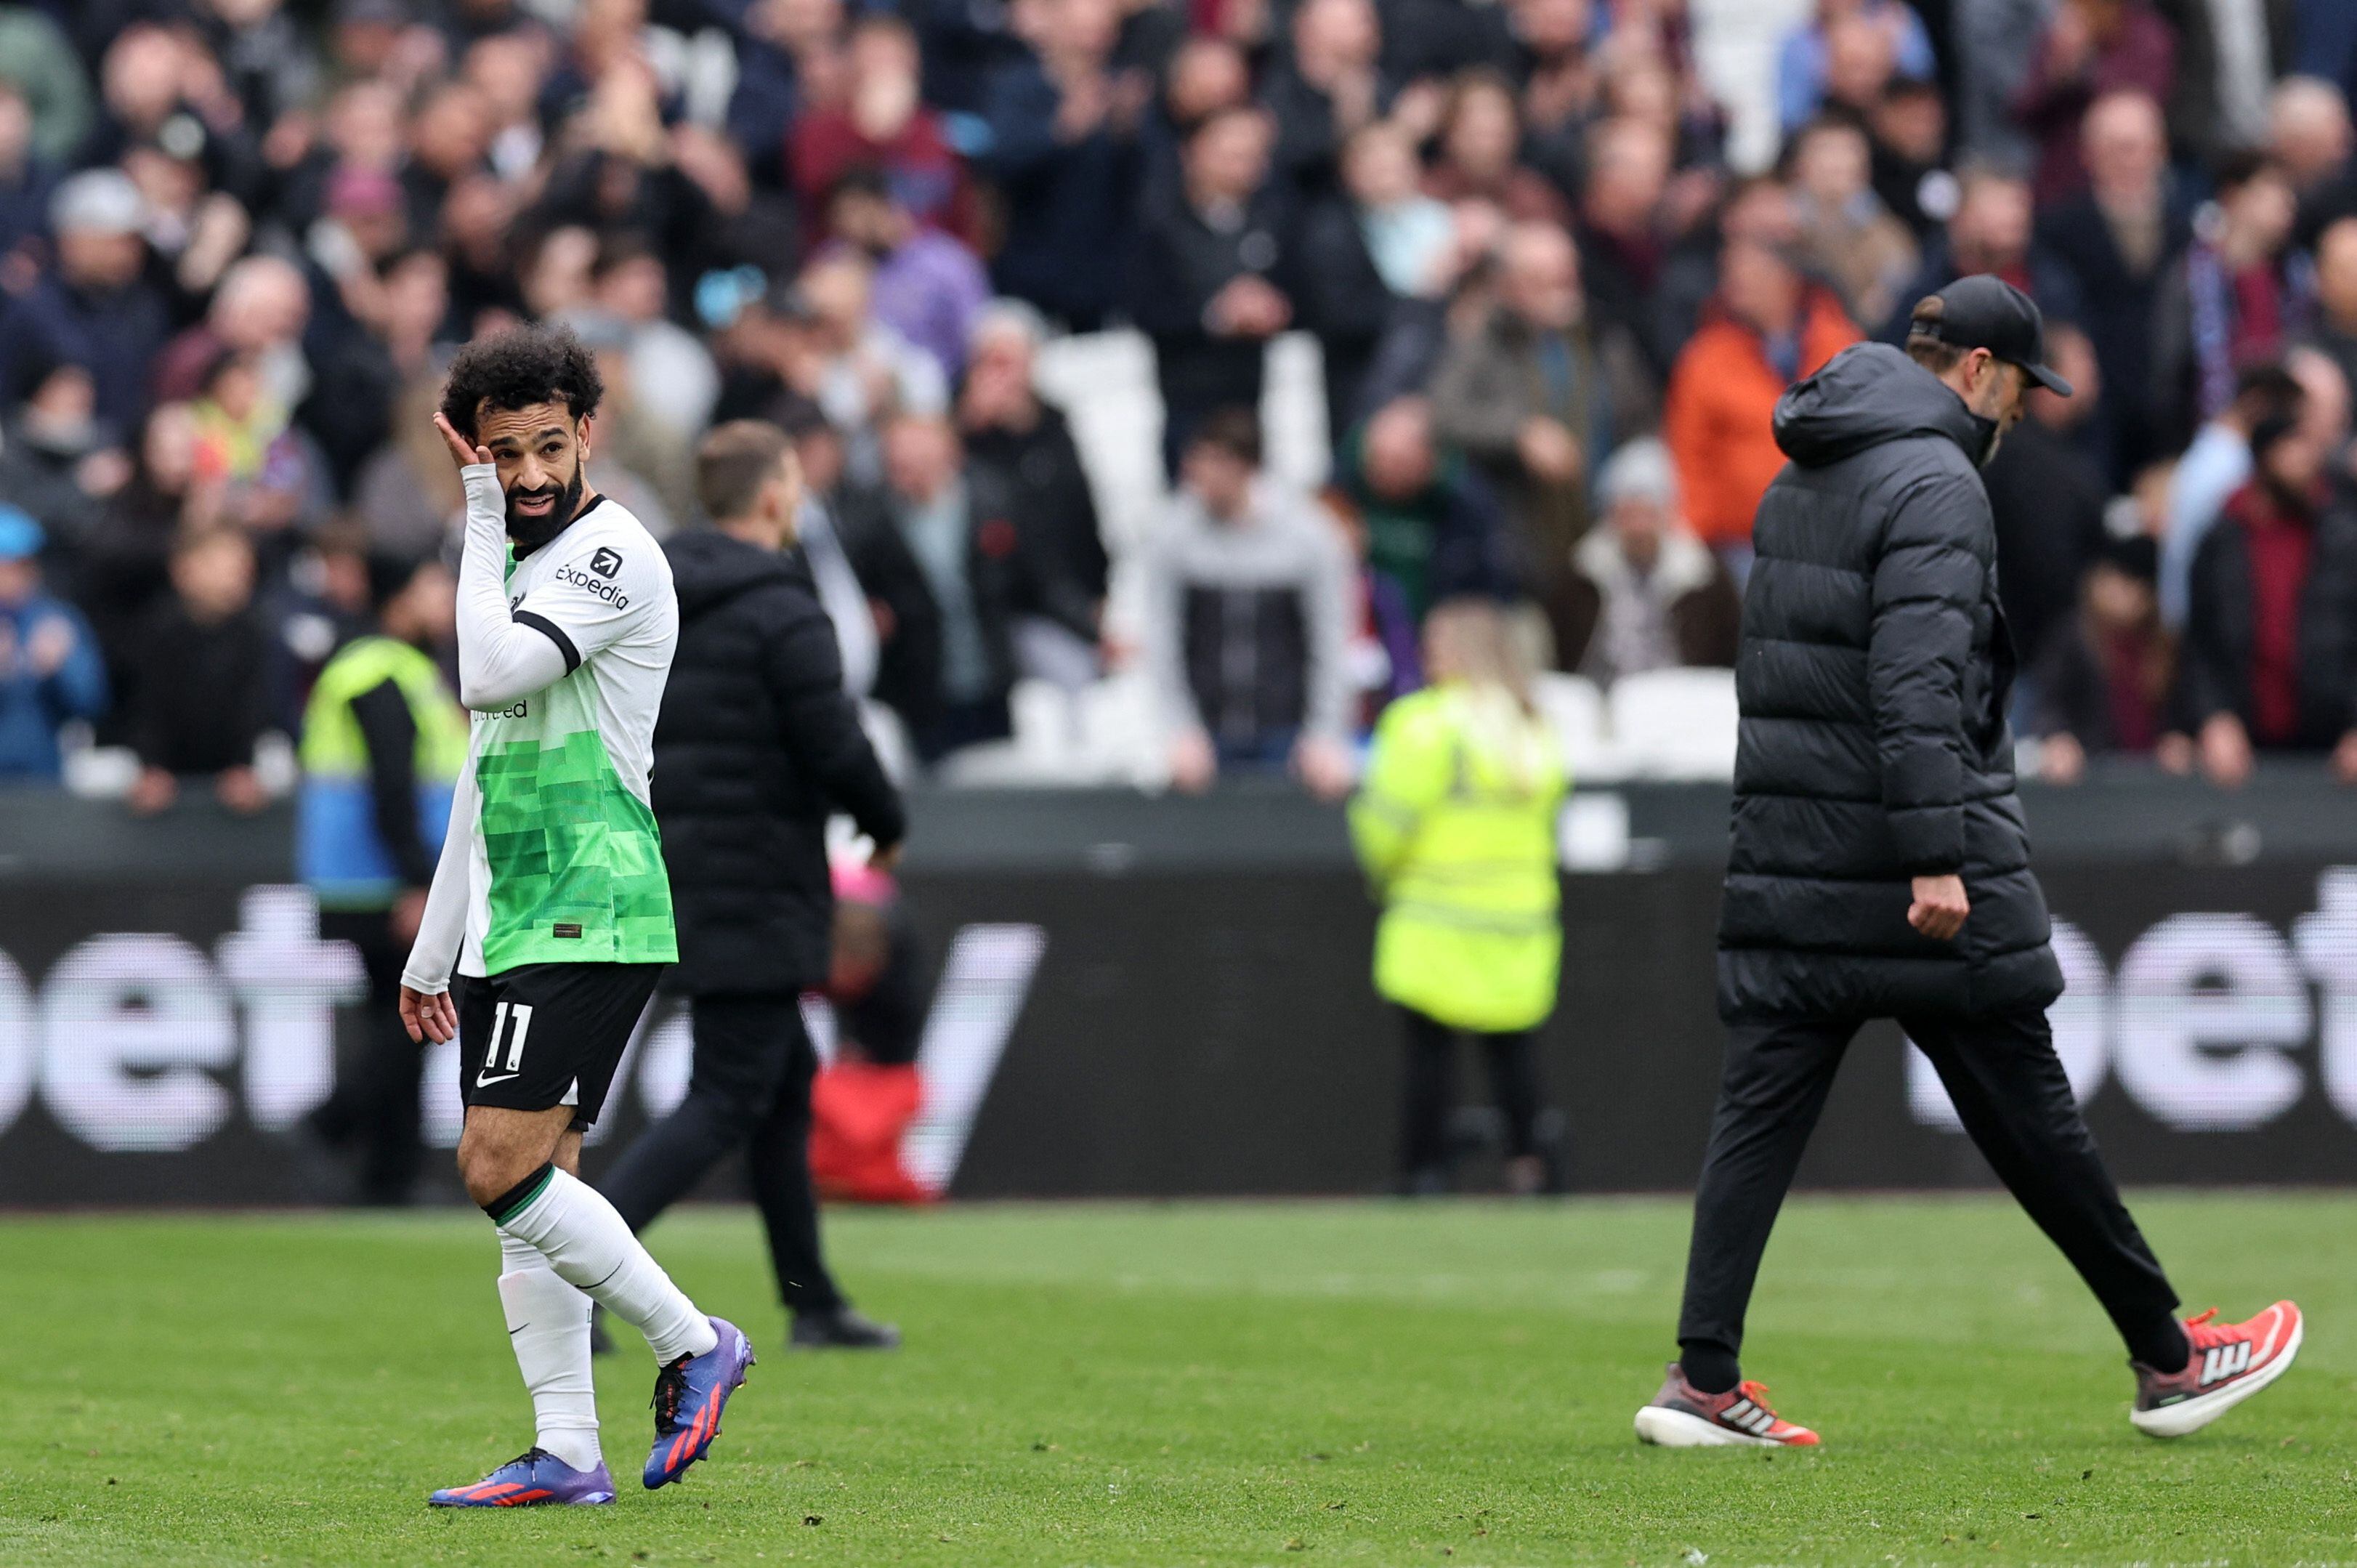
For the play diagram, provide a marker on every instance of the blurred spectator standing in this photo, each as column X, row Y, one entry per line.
column 1847, row 234
column 2239, row 294
column 2229, row 53
column 1996, row 44
column 1992, row 231
column 2090, row 47
column 2310, row 133
column 408, row 494
column 94, row 308
column 1206, row 74
column 1206, row 266
column 1861, row 62
column 2271, row 628
column 1620, row 229
column 1803, row 63
column 1246, row 594
column 2335, row 331
column 27, row 177
column 37, row 64
column 1477, row 155
column 927, row 287
column 2214, row 467
column 1768, row 327
column 1645, row 592
column 881, row 122
column 1537, row 394
column 50, row 671
column 632, row 292
column 2324, row 406
column 1384, row 256
column 1025, row 447
column 1434, row 526
column 2119, row 237
column 1761, row 208
column 202, row 699
column 2101, row 686
column 819, row 452
column 1911, row 137
column 1385, row 661
column 1066, row 149
column 125, row 568
column 937, row 551
column 60, row 464
column 1329, row 88
column 859, row 369
column 383, row 740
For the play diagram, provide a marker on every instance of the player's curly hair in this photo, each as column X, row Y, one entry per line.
column 518, row 368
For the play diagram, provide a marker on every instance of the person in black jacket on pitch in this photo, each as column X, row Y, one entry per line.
column 756, row 747
column 1881, row 864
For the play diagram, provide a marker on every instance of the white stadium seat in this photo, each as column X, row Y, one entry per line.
column 1573, row 707
column 1676, row 723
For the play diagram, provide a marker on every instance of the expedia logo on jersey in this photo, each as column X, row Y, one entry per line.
column 596, row 588
column 519, row 709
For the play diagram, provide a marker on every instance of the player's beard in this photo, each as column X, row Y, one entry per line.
column 530, row 532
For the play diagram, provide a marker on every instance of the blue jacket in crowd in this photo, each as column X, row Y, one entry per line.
column 33, row 705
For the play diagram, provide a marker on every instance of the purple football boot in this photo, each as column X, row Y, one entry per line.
column 689, row 1396
column 529, row 1480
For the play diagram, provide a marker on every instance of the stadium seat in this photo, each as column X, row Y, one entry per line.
column 1575, row 707
column 1044, row 749
column 1121, row 740
column 1676, row 723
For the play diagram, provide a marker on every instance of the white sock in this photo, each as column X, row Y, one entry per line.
column 548, row 1324
column 589, row 1245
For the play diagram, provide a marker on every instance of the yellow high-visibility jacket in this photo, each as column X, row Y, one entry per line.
column 1454, row 824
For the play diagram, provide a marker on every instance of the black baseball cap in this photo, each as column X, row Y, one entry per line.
column 1986, row 312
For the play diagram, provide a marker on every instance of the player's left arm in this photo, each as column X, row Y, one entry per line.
column 426, row 1010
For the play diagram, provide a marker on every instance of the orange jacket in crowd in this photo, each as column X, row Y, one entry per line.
column 1716, row 418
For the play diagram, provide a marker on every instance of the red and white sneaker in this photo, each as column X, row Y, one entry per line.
column 1683, row 1416
column 2231, row 1362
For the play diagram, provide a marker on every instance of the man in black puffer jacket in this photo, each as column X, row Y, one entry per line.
column 757, row 745
column 1880, row 865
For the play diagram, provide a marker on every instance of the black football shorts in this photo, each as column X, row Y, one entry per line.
column 543, row 1034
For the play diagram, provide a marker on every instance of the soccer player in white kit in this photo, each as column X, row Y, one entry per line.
column 550, row 916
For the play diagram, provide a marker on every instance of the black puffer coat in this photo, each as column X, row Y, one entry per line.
column 756, row 747
column 1874, row 673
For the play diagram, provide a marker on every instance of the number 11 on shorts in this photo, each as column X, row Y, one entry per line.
column 521, row 1013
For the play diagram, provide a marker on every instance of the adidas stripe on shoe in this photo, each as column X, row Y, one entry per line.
column 1683, row 1416
column 2230, row 1362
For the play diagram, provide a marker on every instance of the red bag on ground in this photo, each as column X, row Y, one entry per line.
column 858, row 1113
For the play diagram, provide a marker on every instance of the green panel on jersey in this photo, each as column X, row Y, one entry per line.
column 576, row 863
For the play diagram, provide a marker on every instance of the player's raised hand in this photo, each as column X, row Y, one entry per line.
column 429, row 1017
column 464, row 450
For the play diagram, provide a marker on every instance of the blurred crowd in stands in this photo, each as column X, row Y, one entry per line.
column 1552, row 299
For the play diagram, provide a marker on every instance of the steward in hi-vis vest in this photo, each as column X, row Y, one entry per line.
column 380, row 713
column 1454, row 824
column 383, row 743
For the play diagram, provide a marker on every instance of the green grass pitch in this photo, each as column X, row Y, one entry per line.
column 1364, row 1383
